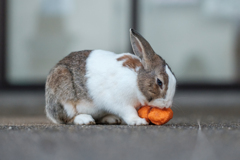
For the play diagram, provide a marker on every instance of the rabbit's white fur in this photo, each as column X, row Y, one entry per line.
column 113, row 87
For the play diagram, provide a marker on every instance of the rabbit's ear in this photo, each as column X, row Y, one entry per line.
column 142, row 49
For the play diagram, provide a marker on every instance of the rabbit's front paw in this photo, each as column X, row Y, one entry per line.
column 84, row 119
column 137, row 121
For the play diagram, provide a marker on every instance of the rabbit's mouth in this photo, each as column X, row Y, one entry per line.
column 161, row 107
column 159, row 103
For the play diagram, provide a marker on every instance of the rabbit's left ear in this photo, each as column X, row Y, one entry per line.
column 142, row 49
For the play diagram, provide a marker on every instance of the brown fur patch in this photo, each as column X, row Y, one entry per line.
column 130, row 62
column 74, row 104
column 159, row 65
column 66, row 82
column 58, row 75
column 165, row 82
column 147, row 85
column 76, row 63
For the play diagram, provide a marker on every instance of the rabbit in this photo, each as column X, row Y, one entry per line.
column 97, row 86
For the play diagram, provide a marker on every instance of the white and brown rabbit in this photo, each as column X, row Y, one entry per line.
column 100, row 86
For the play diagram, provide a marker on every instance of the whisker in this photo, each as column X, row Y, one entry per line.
column 180, row 97
column 174, row 107
column 179, row 108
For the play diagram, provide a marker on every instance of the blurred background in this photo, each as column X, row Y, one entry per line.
column 200, row 40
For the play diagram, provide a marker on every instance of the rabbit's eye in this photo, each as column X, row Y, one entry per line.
column 159, row 83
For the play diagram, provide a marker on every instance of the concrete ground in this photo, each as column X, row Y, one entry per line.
column 193, row 134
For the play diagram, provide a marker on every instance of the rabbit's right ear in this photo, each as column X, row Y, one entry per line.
column 142, row 49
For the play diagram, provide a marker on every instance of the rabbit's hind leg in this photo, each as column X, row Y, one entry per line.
column 60, row 95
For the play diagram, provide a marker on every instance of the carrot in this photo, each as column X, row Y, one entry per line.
column 155, row 115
